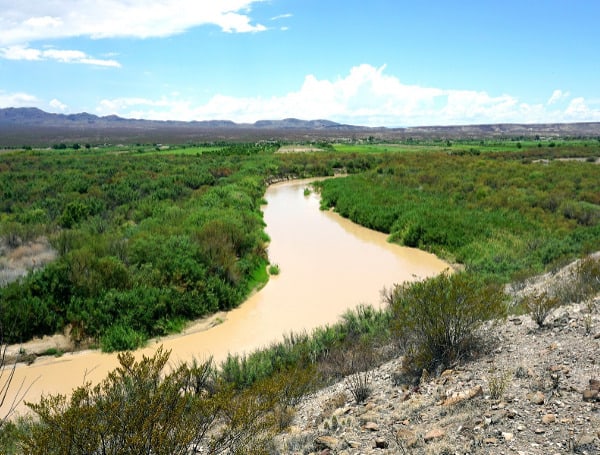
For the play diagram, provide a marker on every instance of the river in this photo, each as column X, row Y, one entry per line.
column 327, row 266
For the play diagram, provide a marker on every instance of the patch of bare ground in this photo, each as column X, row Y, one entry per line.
column 534, row 390
column 298, row 149
column 592, row 160
column 18, row 258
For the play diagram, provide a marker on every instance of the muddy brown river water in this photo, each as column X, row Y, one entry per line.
column 327, row 266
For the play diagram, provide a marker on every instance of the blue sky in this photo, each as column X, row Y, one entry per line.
column 377, row 63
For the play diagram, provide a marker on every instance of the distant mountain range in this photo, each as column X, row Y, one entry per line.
column 32, row 126
column 36, row 117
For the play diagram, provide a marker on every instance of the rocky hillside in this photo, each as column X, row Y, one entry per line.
column 532, row 390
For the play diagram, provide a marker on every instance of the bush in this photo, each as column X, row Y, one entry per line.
column 436, row 321
column 539, row 306
column 140, row 409
column 121, row 338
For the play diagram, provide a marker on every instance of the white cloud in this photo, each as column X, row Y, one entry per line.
column 20, row 53
column 43, row 22
column 365, row 96
column 35, row 20
column 65, row 56
column 56, row 105
column 558, row 95
column 19, row 99
column 282, row 16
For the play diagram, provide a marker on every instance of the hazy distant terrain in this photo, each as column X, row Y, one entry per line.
column 32, row 126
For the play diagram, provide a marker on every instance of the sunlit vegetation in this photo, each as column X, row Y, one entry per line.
column 497, row 213
column 145, row 239
column 149, row 237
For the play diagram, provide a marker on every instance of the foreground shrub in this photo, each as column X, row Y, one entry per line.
column 436, row 321
column 140, row 409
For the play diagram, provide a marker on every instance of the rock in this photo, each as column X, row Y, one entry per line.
column 537, row 398
column 436, row 433
column 590, row 395
column 498, row 416
column 327, row 443
column 508, row 436
column 409, row 437
column 586, row 440
column 369, row 416
column 548, row 418
column 446, row 373
column 539, row 431
column 594, row 384
column 490, row 441
column 371, row 426
column 381, row 443
column 462, row 396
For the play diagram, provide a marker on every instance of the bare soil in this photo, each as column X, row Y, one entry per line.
column 19, row 259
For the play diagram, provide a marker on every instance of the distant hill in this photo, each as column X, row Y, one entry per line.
column 32, row 126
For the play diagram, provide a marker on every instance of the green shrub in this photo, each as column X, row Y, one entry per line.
column 274, row 269
column 120, row 337
column 139, row 409
column 436, row 321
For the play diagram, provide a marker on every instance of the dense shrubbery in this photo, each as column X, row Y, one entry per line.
column 145, row 243
column 492, row 212
column 144, row 240
column 135, row 237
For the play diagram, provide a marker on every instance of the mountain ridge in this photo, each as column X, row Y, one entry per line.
column 31, row 125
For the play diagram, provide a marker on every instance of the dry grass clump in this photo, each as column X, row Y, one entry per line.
column 498, row 383
column 539, row 306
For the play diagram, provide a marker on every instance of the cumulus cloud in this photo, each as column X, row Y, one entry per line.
column 18, row 52
column 34, row 20
column 56, row 105
column 19, row 99
column 558, row 95
column 365, row 96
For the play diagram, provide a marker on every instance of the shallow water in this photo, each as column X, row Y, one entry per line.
column 327, row 265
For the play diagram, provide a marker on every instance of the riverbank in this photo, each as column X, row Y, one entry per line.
column 61, row 344
column 307, row 244
column 533, row 392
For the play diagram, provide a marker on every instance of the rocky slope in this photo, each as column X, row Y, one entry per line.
column 533, row 391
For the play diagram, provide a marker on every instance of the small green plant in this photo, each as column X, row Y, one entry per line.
column 498, row 383
column 307, row 191
column 274, row 269
column 521, row 372
column 588, row 324
column 139, row 408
